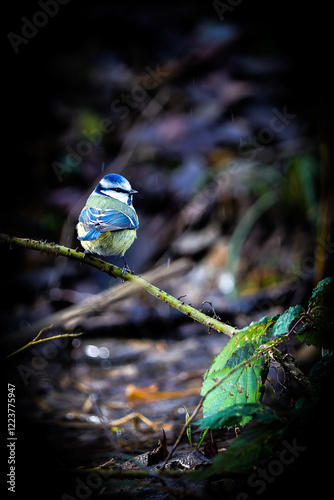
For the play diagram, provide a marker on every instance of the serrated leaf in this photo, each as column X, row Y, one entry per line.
column 245, row 452
column 246, row 383
column 321, row 332
column 242, row 365
column 318, row 329
column 286, row 321
column 231, row 416
column 322, row 375
column 322, row 294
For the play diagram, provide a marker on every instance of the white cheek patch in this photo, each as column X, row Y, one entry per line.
column 123, row 197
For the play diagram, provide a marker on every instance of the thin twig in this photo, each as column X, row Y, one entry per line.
column 288, row 365
column 37, row 340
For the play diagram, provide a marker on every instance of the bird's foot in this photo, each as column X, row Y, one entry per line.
column 125, row 268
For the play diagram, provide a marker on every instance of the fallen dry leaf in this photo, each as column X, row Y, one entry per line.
column 152, row 392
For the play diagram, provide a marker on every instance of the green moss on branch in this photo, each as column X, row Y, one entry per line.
column 116, row 272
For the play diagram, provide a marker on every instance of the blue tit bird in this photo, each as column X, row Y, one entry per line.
column 108, row 223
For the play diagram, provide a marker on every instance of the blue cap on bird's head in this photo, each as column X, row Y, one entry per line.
column 116, row 186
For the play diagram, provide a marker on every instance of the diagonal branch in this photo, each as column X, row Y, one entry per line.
column 116, row 272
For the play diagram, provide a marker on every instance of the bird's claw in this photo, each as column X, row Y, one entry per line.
column 126, row 268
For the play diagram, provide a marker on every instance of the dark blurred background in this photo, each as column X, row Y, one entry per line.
column 219, row 114
column 175, row 96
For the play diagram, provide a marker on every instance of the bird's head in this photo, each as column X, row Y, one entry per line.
column 117, row 187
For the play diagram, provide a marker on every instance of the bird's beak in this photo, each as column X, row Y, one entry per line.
column 133, row 191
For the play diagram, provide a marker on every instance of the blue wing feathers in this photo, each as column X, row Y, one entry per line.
column 88, row 216
column 90, row 236
column 118, row 220
column 96, row 222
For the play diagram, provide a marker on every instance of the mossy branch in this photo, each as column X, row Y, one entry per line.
column 116, row 272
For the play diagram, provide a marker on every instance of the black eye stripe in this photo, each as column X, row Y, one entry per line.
column 103, row 189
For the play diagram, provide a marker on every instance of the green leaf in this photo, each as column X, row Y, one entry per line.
column 322, row 294
column 231, row 416
column 286, row 321
column 242, row 365
column 253, row 445
column 204, row 433
column 243, row 382
column 321, row 377
column 318, row 329
column 188, row 428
